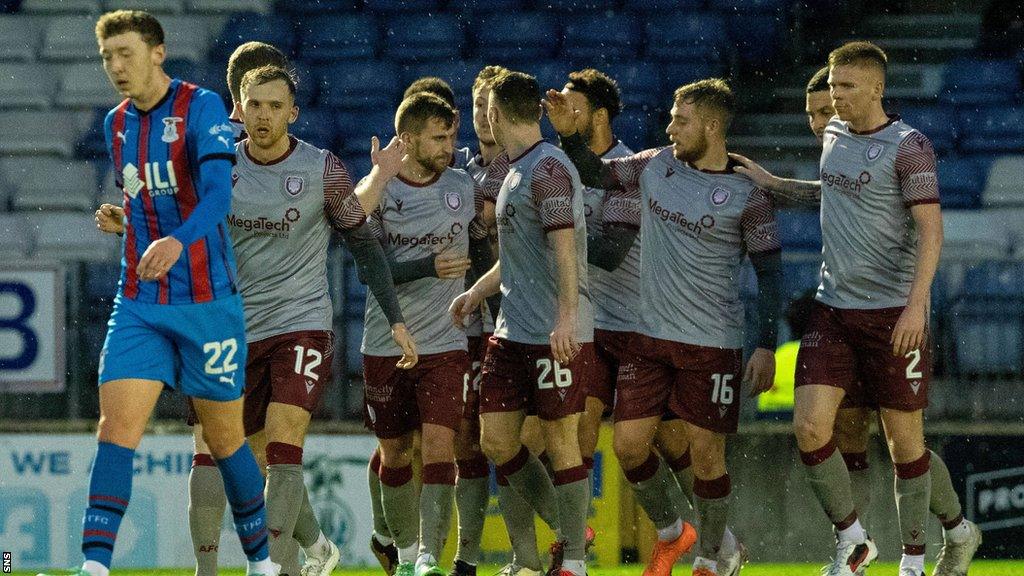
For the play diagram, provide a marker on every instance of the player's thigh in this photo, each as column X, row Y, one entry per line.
column 287, row 424
column 558, row 390
column 222, row 425
column 706, row 387
column 904, row 432
column 632, row 440
column 672, row 438
column 258, row 444
column 814, row 414
column 531, row 434
column 467, row 439
column 125, row 409
column 707, row 450
column 499, row 435
column 397, row 452
column 852, row 428
column 437, row 443
column 210, row 338
column 590, row 426
column 561, row 441
column 440, row 381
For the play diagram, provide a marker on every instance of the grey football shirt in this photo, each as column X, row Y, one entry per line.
column 280, row 222
column 414, row 221
column 541, row 193
column 475, row 167
column 869, row 182
column 616, row 293
column 697, row 227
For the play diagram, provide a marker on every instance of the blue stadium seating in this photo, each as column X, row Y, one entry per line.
column 358, row 165
column 757, row 38
column 601, row 37
column 338, row 37
column 356, row 129
column 248, row 26
column 761, row 7
column 551, row 73
column 660, row 5
column 315, row 7
column 676, row 74
column 403, row 5
column 960, row 182
column 459, row 74
column 638, row 82
column 995, row 129
column 799, row 277
column 970, row 81
column 307, row 84
column 424, row 38
column 575, row 5
column 101, row 280
column 677, row 37
column 486, row 6
column 316, row 126
column 360, row 84
column 91, row 143
column 353, row 340
column 632, row 127
column 935, row 122
column 799, row 229
column 987, row 335
column 205, row 75
column 994, row 279
column 518, row 37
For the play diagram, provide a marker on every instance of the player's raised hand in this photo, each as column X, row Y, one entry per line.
column 563, row 340
column 760, row 371
column 388, row 159
column 451, row 266
column 560, row 112
column 755, row 172
column 909, row 333
column 464, row 304
column 159, row 257
column 401, row 337
column 110, row 219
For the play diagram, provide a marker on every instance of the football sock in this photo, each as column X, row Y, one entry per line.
column 680, row 491
column 380, row 524
column 588, row 463
column 436, row 506
column 472, row 492
column 913, row 491
column 110, row 489
column 243, row 485
column 651, row 482
column 206, row 502
column 711, row 499
column 914, row 561
column 830, row 481
column 728, row 543
column 307, row 528
column 284, row 497
column 944, row 502
column 860, row 481
column 571, row 487
column 528, row 476
column 401, row 508
column 522, row 533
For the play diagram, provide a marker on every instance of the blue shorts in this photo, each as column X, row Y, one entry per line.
column 198, row 349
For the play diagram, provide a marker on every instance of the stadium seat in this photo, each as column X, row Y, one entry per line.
column 228, row 6
column 152, row 6
column 971, row 234
column 659, row 5
column 601, row 37
column 799, row 230
column 970, row 81
column 992, row 130
column 16, row 238
column 248, row 26
column 307, row 84
column 361, row 85
column 935, row 122
column 19, row 38
column 679, row 36
column 986, row 335
column 402, row 5
column 356, row 129
column 518, row 37
column 85, row 85
column 314, row 7
column 38, row 133
column 25, row 86
column 757, row 38
column 679, row 73
column 1004, row 185
column 188, row 37
column 800, row 276
column 638, row 82
column 60, row 6
column 551, row 74
column 48, row 183
column 337, row 37
column 353, row 341
column 994, row 279
column 69, row 237
column 459, row 74
column 486, row 6
column 423, row 37
column 316, row 126
column 358, row 165
column 101, row 279
column 205, row 75
column 69, row 38
column 960, row 182
column 91, row 143
column 632, row 126
column 575, row 5
column 761, row 7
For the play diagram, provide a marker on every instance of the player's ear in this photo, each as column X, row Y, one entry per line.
column 294, row 114
column 158, row 54
column 237, row 111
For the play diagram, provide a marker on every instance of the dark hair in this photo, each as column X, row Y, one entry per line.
column 415, row 111
column 819, row 81
column 518, row 96
column 710, row 95
column 431, row 85
column 122, row 21
column 250, row 56
column 858, row 54
column 264, row 74
column 600, row 90
column 487, row 75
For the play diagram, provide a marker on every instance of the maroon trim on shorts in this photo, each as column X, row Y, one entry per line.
column 815, row 457
column 203, row 460
column 913, row 549
column 682, row 463
column 918, row 467
column 515, row 464
column 501, row 479
column 855, row 461
column 375, row 462
column 439, row 473
column 570, row 475
column 950, row 524
column 645, row 471
column 475, row 467
column 395, row 477
column 281, row 453
column 846, row 522
column 588, row 463
column 710, row 489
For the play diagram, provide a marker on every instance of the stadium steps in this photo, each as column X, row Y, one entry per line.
column 921, row 38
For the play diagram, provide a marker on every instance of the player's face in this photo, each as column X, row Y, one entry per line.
column 688, row 132
column 585, row 119
column 480, row 124
column 432, row 147
column 854, row 89
column 494, row 118
column 267, row 110
column 130, row 63
column 819, row 112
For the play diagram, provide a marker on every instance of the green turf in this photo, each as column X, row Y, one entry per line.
column 979, row 568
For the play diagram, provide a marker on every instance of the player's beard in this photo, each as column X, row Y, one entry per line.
column 434, row 164
column 693, row 152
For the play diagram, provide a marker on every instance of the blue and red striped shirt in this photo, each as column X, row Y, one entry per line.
column 157, row 158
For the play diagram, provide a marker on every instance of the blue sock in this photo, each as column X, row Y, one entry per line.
column 110, row 489
column 243, row 484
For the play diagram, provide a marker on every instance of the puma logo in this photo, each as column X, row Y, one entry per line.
column 227, row 380
column 121, row 136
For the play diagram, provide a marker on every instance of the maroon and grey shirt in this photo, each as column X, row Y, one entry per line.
column 869, row 182
column 541, row 193
column 697, row 227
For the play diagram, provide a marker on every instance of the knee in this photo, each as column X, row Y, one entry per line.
column 396, row 453
column 631, row 452
column 498, row 447
column 437, row 445
column 851, row 437
column 708, row 457
column 810, row 434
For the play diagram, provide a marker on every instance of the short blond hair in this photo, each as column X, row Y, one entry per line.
column 859, row 53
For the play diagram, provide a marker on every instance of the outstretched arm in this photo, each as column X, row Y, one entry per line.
column 593, row 171
column 386, row 164
column 808, row 191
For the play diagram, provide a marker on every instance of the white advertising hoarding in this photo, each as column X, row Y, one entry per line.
column 32, row 328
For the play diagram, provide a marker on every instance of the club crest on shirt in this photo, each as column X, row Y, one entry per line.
column 453, row 200
column 719, row 196
column 171, row 129
column 293, row 185
column 874, row 151
column 514, row 179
